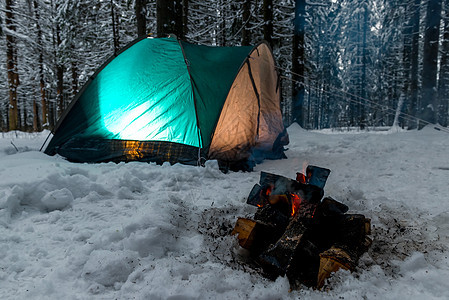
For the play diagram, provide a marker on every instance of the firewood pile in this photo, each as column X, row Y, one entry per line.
column 298, row 234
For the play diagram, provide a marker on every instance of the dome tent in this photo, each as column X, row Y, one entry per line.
column 162, row 99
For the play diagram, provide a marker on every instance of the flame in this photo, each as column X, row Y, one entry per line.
column 290, row 199
column 296, row 203
column 265, row 195
column 301, row 178
column 268, row 190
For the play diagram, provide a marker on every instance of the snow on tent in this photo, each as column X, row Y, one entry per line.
column 161, row 99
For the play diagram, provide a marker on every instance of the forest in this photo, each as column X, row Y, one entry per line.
column 343, row 64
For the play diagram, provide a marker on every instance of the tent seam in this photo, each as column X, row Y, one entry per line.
column 256, row 92
column 192, row 83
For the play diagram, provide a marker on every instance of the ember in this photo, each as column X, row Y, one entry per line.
column 296, row 203
column 298, row 234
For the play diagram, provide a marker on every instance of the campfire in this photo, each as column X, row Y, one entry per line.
column 298, row 234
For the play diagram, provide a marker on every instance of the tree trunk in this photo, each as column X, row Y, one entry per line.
column 115, row 33
column 59, row 73
column 222, row 23
column 430, row 63
column 164, row 11
column 140, row 9
column 246, row 15
column 406, row 59
column 74, row 69
column 1, row 115
column 52, row 103
column 41, row 72
column 398, row 111
column 185, row 18
column 11, row 67
column 443, row 84
column 268, row 21
column 22, row 116
column 413, row 106
column 169, row 16
column 51, row 114
column 178, row 17
column 36, row 123
column 298, row 63
column 364, row 62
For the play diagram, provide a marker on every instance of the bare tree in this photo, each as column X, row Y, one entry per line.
column 268, row 21
column 169, row 17
column 185, row 18
column 246, row 15
column 443, row 81
column 37, row 124
column 430, row 62
column 115, row 31
column 140, row 9
column 364, row 61
column 298, row 58
column 11, row 65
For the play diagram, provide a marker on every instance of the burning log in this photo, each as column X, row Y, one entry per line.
column 331, row 207
column 246, row 230
column 277, row 216
column 255, row 235
column 277, row 259
column 333, row 260
column 297, row 233
column 314, row 176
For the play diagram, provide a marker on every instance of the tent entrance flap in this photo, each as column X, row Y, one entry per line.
column 251, row 118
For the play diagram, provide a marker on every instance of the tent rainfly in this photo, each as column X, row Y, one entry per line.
column 162, row 99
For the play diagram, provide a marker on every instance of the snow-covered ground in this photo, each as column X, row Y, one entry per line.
column 142, row 231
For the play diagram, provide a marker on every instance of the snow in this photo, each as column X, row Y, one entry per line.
column 143, row 231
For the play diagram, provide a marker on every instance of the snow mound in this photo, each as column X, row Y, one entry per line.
column 57, row 200
column 110, row 267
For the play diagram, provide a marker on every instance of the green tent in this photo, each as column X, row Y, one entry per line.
column 161, row 99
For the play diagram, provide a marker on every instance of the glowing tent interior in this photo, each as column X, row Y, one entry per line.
column 162, row 99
